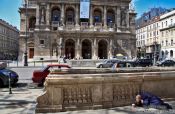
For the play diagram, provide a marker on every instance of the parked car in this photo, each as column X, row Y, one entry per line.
column 5, row 74
column 106, row 63
column 40, row 75
column 121, row 64
column 143, row 62
column 166, row 63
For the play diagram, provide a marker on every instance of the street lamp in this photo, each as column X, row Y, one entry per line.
column 155, row 53
column 25, row 53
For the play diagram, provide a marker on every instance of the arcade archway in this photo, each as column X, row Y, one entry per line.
column 102, row 49
column 70, row 49
column 86, row 49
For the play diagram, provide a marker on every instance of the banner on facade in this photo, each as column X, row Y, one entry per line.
column 84, row 9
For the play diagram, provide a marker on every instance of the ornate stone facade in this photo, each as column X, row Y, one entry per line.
column 55, row 29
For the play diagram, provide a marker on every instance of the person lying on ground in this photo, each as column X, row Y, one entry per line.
column 145, row 99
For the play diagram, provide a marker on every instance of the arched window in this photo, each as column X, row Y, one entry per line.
column 97, row 16
column 56, row 13
column 110, row 17
column 70, row 15
column 32, row 22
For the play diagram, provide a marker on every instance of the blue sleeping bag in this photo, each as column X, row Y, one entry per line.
column 152, row 100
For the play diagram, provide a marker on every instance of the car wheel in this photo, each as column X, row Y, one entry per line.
column 101, row 66
column 1, row 83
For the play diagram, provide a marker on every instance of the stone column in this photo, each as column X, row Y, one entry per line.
column 118, row 16
column 91, row 17
column 95, row 55
column 62, row 15
column 77, row 17
column 105, row 18
column 37, row 17
column 127, row 18
column 110, row 49
column 48, row 17
column 78, row 48
column 60, row 46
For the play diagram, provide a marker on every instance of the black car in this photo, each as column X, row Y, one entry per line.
column 166, row 63
column 5, row 74
column 143, row 62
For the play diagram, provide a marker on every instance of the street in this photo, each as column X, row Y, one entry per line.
column 25, row 74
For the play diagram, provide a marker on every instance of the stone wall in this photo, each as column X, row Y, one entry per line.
column 93, row 91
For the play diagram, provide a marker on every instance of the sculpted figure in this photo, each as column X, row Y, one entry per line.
column 42, row 15
column 123, row 16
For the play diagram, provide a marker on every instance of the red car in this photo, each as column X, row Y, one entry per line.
column 40, row 75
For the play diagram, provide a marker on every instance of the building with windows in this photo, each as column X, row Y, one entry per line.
column 148, row 41
column 58, row 28
column 147, row 34
column 9, row 37
column 167, row 33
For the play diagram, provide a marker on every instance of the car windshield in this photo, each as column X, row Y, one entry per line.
column 105, row 61
column 55, row 68
column 45, row 68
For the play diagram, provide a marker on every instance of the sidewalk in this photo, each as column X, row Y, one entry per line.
column 23, row 101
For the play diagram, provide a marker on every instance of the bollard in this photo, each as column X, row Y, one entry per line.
column 8, row 63
column 42, row 63
column 17, row 63
column 10, row 88
column 34, row 63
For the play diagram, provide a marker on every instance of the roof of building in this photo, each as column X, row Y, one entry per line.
column 150, row 17
column 5, row 23
column 168, row 14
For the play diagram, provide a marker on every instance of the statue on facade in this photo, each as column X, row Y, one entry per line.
column 54, row 48
column 61, row 22
column 123, row 17
column 43, row 16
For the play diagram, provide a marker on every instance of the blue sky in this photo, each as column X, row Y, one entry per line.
column 144, row 5
column 9, row 8
column 9, row 11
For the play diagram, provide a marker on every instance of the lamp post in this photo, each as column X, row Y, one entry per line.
column 155, row 53
column 25, row 53
column 155, row 44
column 10, row 87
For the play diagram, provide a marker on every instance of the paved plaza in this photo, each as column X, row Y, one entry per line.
column 23, row 99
